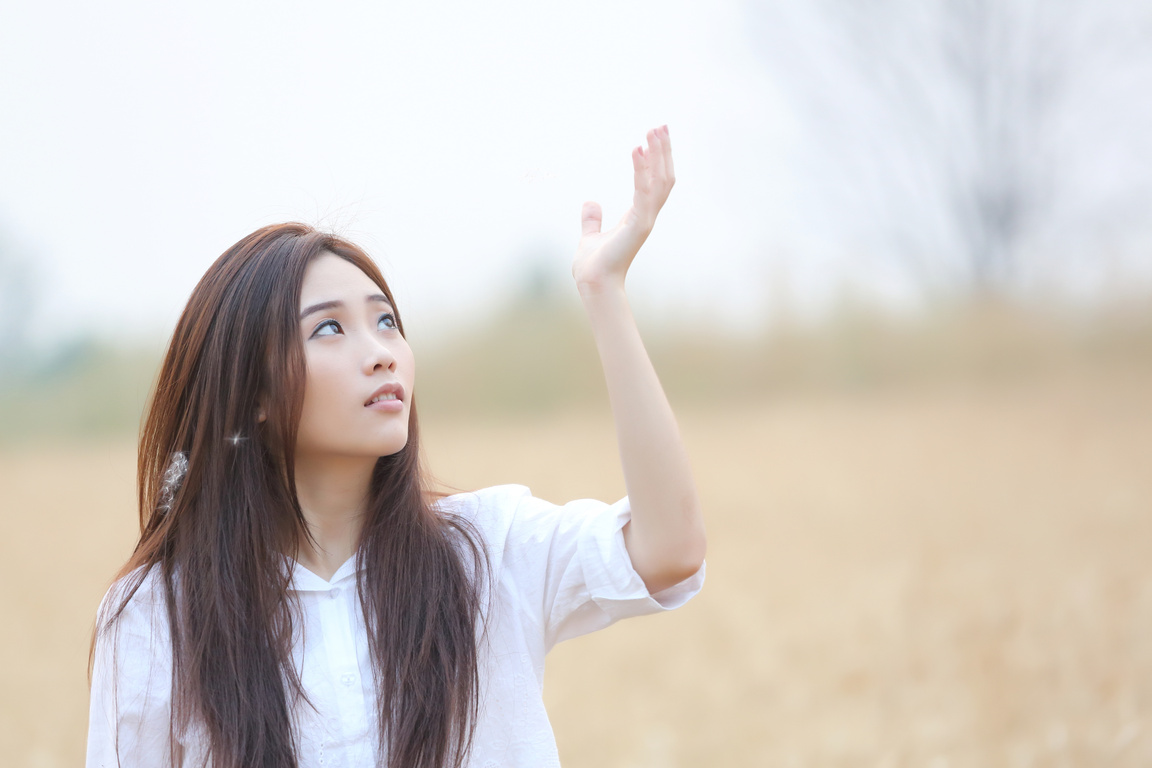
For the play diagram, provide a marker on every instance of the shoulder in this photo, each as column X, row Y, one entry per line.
column 491, row 510
column 494, row 498
column 134, row 602
column 513, row 521
column 132, row 655
column 501, row 511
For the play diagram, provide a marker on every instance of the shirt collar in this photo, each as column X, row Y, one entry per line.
column 304, row 580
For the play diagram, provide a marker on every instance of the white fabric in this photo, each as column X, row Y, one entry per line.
column 559, row 572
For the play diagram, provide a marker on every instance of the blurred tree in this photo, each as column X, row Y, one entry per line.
column 963, row 137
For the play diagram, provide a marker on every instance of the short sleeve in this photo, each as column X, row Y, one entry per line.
column 129, row 720
column 573, row 561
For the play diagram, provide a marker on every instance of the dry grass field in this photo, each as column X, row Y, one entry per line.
column 949, row 577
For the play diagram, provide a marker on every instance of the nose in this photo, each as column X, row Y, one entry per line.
column 378, row 356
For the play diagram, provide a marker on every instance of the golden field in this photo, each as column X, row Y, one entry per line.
column 947, row 575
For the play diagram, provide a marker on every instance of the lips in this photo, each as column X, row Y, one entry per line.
column 391, row 388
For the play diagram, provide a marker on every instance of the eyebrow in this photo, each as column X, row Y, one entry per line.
column 323, row 305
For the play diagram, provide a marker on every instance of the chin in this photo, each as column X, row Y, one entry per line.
column 391, row 447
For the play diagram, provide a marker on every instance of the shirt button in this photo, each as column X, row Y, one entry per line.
column 348, row 679
column 334, row 593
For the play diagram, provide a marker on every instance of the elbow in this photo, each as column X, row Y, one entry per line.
column 689, row 559
column 693, row 558
column 693, row 546
column 671, row 573
column 696, row 545
column 670, row 559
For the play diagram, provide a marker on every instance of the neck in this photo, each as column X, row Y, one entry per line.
column 333, row 493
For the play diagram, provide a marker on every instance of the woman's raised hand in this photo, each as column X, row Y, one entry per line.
column 602, row 258
column 665, row 537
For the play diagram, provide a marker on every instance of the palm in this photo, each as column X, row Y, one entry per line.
column 604, row 257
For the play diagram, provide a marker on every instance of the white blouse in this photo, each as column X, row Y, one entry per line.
column 559, row 572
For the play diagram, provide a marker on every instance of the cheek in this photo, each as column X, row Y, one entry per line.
column 406, row 362
column 319, row 393
column 411, row 375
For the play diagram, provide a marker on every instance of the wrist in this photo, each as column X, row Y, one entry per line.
column 600, row 288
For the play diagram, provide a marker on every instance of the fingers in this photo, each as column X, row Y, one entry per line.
column 654, row 166
column 668, row 156
column 653, row 178
column 590, row 217
column 656, row 154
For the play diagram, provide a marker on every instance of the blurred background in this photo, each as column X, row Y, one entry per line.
column 899, row 298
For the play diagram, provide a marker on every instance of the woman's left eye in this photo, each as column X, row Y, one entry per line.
column 389, row 318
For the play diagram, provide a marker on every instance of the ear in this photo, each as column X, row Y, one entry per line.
column 261, row 412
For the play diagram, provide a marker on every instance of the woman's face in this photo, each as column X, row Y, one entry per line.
column 355, row 354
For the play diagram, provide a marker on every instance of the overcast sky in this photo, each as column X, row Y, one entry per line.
column 455, row 141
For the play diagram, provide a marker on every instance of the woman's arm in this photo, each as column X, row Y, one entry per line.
column 665, row 537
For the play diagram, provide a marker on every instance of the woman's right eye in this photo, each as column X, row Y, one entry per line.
column 326, row 324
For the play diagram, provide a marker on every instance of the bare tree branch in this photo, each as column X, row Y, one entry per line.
column 961, row 134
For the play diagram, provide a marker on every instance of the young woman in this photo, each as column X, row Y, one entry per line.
column 299, row 597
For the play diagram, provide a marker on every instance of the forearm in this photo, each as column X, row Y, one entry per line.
column 665, row 538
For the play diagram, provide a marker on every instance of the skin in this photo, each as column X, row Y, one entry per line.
column 665, row 537
column 350, row 351
column 340, row 440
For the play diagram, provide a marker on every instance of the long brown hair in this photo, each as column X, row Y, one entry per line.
column 219, row 542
